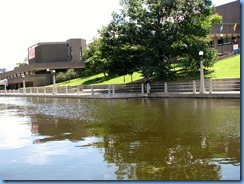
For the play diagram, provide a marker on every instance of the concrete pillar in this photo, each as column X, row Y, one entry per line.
column 194, row 87
column 92, row 90
column 165, row 87
column 216, row 42
column 24, row 87
column 109, row 88
column 66, row 90
column 210, row 86
column 113, row 89
column 142, row 88
column 78, row 90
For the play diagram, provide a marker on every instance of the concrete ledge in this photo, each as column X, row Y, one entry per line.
column 235, row 95
column 230, row 95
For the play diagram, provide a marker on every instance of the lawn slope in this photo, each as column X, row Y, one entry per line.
column 226, row 68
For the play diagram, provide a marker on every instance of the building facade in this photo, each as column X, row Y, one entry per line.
column 58, row 56
column 225, row 36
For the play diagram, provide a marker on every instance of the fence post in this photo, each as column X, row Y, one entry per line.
column 37, row 90
column 45, row 91
column 210, row 87
column 165, row 87
column 92, row 90
column 113, row 89
column 66, row 90
column 142, row 88
column 194, row 87
column 78, row 90
column 109, row 89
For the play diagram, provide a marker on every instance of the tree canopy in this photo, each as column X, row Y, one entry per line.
column 150, row 35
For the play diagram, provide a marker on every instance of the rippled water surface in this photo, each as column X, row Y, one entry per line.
column 136, row 139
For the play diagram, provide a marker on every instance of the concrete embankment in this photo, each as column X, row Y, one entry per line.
column 230, row 95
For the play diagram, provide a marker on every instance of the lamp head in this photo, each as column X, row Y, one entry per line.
column 201, row 53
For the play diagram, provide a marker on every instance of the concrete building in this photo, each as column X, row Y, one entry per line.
column 58, row 56
column 226, row 36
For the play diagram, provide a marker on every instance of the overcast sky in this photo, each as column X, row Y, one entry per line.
column 27, row 22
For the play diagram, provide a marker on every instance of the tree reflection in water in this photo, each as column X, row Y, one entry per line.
column 171, row 142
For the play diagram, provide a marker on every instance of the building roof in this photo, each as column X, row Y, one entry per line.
column 230, row 12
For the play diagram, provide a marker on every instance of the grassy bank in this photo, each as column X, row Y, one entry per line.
column 226, row 68
column 100, row 79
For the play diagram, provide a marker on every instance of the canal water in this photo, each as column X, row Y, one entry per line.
column 128, row 139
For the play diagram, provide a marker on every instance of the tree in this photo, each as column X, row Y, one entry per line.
column 22, row 63
column 70, row 74
column 94, row 61
column 148, row 35
column 60, row 77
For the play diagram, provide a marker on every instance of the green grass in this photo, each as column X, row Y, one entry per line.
column 99, row 79
column 226, row 68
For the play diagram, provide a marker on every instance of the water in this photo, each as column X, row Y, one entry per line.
column 135, row 139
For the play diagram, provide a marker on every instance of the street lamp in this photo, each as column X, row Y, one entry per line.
column 23, row 76
column 202, row 88
column 5, row 85
column 54, row 80
column 222, row 43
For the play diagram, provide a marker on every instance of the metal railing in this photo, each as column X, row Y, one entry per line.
column 192, row 87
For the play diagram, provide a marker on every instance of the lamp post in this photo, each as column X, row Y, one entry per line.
column 5, row 85
column 54, row 80
column 222, row 43
column 202, row 88
column 23, row 76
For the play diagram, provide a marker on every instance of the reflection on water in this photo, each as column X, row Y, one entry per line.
column 139, row 139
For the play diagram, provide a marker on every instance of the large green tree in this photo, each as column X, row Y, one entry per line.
column 149, row 35
column 94, row 61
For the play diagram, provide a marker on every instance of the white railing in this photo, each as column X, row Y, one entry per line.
column 211, row 86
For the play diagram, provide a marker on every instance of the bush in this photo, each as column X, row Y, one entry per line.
column 60, row 77
column 68, row 75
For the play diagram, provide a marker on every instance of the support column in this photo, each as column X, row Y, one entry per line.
column 194, row 87
column 92, row 90
column 109, row 87
column 66, row 90
column 210, row 87
column 78, row 90
column 113, row 89
column 165, row 87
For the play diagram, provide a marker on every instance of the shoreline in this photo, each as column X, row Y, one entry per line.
column 225, row 95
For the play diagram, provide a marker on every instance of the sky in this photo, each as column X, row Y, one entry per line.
column 27, row 22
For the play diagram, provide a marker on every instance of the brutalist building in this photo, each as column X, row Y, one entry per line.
column 58, row 56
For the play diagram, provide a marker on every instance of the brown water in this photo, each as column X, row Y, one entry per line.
column 139, row 139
